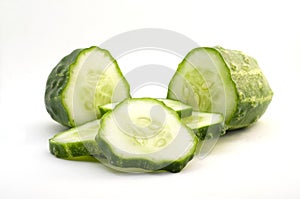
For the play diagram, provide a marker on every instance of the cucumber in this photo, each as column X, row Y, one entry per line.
column 181, row 109
column 80, row 141
column 222, row 81
column 107, row 107
column 81, row 82
column 76, row 142
column 205, row 125
column 145, row 134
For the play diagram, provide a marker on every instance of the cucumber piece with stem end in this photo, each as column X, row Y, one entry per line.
column 222, row 81
column 146, row 134
column 81, row 82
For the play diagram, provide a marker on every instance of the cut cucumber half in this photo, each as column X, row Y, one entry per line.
column 205, row 125
column 76, row 142
column 145, row 134
column 222, row 81
column 80, row 83
column 181, row 109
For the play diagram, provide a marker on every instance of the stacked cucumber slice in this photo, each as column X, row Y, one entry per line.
column 213, row 90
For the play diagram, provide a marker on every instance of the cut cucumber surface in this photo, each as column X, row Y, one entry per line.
column 80, row 83
column 205, row 125
column 76, row 142
column 181, row 109
column 145, row 134
column 222, row 81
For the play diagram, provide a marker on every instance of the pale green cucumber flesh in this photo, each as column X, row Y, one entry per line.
column 76, row 142
column 145, row 134
column 80, row 83
column 222, row 81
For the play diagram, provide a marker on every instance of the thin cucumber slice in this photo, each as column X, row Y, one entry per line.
column 107, row 107
column 76, row 142
column 181, row 109
column 205, row 125
column 145, row 134
column 222, row 81
column 80, row 83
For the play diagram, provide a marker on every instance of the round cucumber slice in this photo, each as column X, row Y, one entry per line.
column 145, row 134
column 80, row 83
column 222, row 81
column 76, row 142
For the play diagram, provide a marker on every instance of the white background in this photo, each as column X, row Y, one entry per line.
column 260, row 162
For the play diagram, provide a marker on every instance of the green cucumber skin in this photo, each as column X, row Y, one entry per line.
column 74, row 149
column 216, row 129
column 59, row 78
column 251, row 87
column 254, row 93
column 184, row 113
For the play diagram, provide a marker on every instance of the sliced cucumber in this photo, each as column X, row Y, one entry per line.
column 80, row 83
column 76, row 142
column 205, row 125
column 222, row 81
column 80, row 141
column 107, row 107
column 145, row 134
column 181, row 109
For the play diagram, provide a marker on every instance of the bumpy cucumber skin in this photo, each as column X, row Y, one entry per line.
column 113, row 159
column 56, row 83
column 254, row 93
column 74, row 149
column 251, row 87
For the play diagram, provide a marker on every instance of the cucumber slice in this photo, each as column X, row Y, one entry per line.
column 80, row 83
column 76, row 142
column 107, row 107
column 181, row 109
column 205, row 125
column 145, row 134
column 222, row 81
